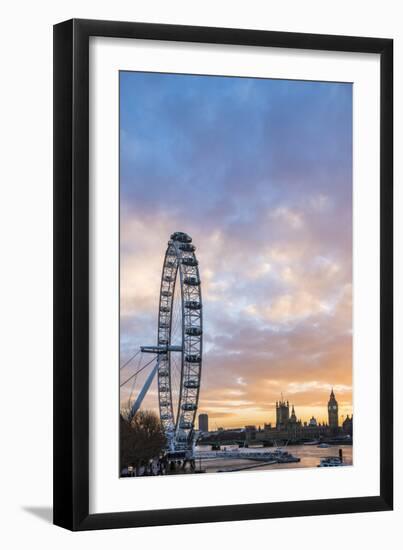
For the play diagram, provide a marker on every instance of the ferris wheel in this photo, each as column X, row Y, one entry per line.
column 178, row 351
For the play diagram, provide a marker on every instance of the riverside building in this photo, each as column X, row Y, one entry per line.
column 290, row 429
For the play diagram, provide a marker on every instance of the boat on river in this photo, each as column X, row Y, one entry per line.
column 277, row 455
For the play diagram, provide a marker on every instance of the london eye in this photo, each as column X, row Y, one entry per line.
column 178, row 350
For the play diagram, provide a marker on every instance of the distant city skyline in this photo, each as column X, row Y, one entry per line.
column 259, row 173
column 271, row 416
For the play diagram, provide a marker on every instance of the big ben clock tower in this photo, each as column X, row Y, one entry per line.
column 333, row 412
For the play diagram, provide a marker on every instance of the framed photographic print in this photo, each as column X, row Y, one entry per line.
column 223, row 321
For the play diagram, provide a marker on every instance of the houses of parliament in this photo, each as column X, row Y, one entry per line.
column 289, row 428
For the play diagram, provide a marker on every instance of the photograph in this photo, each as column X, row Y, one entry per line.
column 201, row 258
column 236, row 270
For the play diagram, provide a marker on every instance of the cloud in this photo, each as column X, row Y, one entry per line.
column 258, row 172
column 291, row 217
column 298, row 387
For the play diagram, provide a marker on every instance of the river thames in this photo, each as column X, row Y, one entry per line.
column 309, row 456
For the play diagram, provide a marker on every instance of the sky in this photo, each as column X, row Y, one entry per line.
column 259, row 173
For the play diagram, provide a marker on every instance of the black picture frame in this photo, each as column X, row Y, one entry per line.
column 71, row 273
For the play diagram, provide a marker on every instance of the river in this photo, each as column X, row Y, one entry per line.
column 310, row 456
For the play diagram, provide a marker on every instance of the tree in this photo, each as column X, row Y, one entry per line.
column 141, row 439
